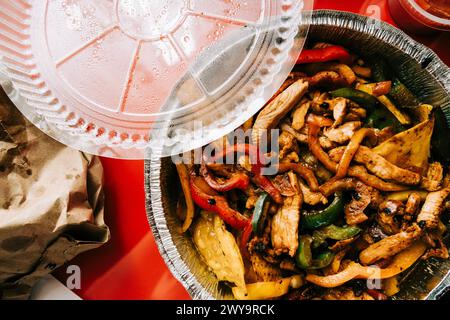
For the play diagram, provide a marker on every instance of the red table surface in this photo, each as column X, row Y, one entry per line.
column 129, row 266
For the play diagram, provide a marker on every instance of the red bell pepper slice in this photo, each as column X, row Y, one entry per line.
column 209, row 200
column 262, row 181
column 331, row 53
column 238, row 180
column 244, row 148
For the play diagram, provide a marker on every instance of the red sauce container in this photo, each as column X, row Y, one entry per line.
column 411, row 16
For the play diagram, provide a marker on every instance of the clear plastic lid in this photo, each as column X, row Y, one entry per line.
column 115, row 77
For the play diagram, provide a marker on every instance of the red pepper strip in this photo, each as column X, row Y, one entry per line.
column 330, row 53
column 247, row 149
column 245, row 238
column 303, row 171
column 238, row 180
column 216, row 203
column 267, row 185
column 204, row 187
column 262, row 181
column 319, row 120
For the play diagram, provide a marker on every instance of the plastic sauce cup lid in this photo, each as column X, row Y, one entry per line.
column 119, row 77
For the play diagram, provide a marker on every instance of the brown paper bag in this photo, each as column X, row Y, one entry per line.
column 51, row 203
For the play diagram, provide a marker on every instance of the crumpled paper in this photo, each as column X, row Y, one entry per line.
column 51, row 203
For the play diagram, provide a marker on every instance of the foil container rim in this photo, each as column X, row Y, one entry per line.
column 154, row 205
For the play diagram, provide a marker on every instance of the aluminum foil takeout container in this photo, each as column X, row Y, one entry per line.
column 420, row 69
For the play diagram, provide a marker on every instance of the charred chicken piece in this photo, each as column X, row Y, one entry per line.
column 390, row 246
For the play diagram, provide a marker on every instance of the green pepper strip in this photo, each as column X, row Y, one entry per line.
column 313, row 219
column 323, row 260
column 381, row 118
column 259, row 213
column 399, row 92
column 402, row 95
column 378, row 117
column 335, row 233
column 304, row 259
column 364, row 99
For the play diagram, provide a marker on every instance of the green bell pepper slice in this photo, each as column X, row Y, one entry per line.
column 323, row 259
column 304, row 258
column 259, row 213
column 381, row 117
column 313, row 219
column 364, row 99
column 335, row 233
column 403, row 97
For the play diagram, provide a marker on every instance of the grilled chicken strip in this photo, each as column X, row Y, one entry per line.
column 386, row 216
column 283, row 184
column 343, row 70
column 287, row 143
column 361, row 173
column 432, row 208
column 412, row 204
column 339, row 107
column 329, row 79
column 433, row 180
column 344, row 132
column 355, row 114
column 284, row 228
column 325, row 143
column 384, row 169
column 378, row 165
column 361, row 199
column 311, row 197
column 354, row 211
column 332, row 186
column 390, row 246
column 299, row 116
column 269, row 117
